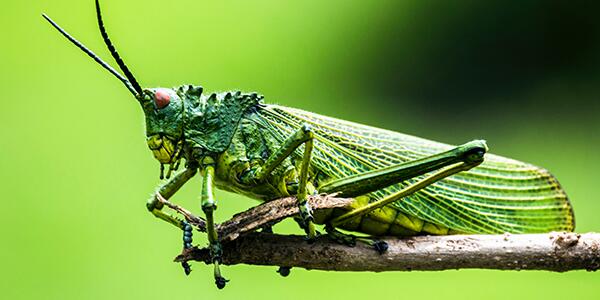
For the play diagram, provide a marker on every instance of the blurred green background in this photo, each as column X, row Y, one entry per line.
column 75, row 170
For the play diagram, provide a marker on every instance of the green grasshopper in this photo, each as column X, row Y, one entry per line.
column 402, row 185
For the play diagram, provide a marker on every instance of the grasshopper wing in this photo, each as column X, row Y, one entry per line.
column 500, row 195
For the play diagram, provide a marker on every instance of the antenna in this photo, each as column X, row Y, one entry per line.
column 93, row 55
column 115, row 54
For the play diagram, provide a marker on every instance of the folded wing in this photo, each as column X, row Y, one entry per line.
column 500, row 195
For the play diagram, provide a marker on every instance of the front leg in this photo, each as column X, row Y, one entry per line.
column 167, row 190
column 208, row 207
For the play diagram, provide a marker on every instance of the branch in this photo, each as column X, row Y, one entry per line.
column 553, row 251
column 266, row 214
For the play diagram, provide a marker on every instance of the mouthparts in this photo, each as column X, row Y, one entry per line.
column 164, row 149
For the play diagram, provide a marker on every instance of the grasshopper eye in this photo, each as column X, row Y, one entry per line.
column 161, row 99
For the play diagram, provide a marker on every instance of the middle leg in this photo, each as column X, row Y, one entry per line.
column 303, row 136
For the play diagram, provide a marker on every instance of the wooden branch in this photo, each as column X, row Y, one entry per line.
column 558, row 252
column 268, row 213
column 553, row 251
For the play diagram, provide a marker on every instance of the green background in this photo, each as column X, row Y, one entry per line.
column 75, row 170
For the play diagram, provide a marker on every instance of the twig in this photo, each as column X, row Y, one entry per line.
column 267, row 213
column 553, row 252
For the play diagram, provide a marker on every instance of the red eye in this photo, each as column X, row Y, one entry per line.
column 161, row 99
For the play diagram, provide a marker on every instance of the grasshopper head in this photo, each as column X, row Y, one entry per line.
column 163, row 109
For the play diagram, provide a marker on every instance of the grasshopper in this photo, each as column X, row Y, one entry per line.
column 402, row 185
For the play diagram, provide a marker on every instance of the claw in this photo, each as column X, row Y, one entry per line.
column 220, row 282
column 380, row 246
column 186, row 268
column 284, row 271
